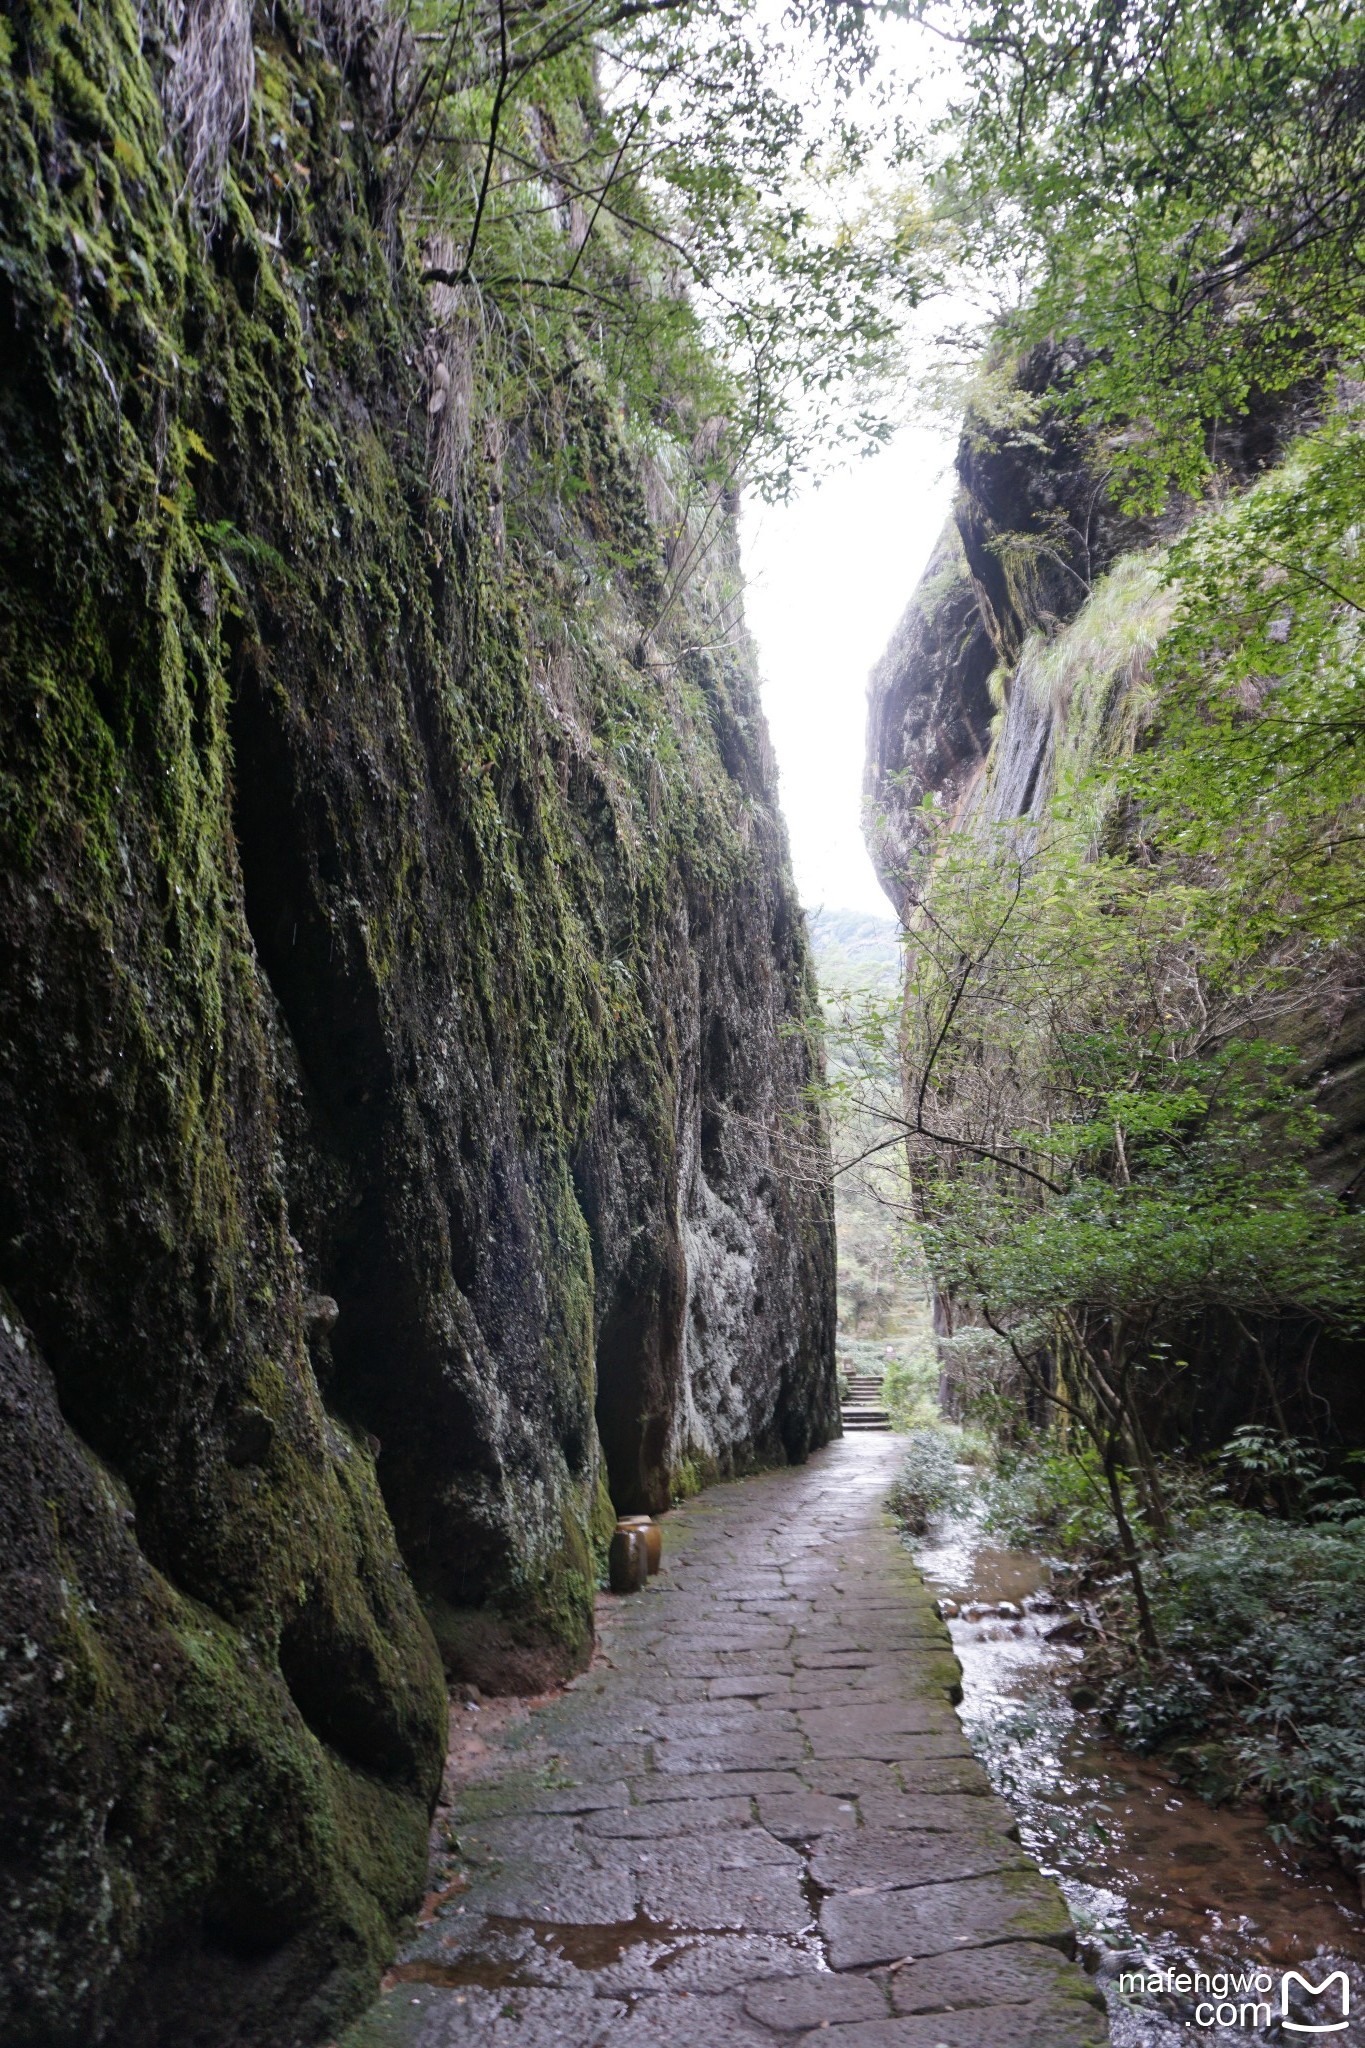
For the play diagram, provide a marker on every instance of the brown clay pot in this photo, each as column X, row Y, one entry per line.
column 653, row 1535
column 627, row 1561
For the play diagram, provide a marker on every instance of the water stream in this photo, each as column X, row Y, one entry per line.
column 1157, row 1881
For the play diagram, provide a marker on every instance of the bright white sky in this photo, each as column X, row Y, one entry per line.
column 829, row 576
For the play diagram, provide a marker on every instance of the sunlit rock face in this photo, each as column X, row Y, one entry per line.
column 1031, row 532
column 929, row 715
column 715, row 1301
column 405, row 1014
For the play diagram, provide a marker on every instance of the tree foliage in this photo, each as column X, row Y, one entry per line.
column 1111, row 1131
column 1257, row 768
column 659, row 195
column 1183, row 184
column 1110, row 1138
column 1107, row 1145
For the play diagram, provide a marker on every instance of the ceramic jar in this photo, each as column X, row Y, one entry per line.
column 627, row 1560
column 653, row 1535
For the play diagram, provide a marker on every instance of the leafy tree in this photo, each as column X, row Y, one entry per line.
column 1108, row 1129
column 657, row 196
column 1105, row 1146
column 1182, row 183
column 881, row 1283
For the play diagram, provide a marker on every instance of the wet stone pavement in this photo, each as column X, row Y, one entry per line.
column 754, row 1821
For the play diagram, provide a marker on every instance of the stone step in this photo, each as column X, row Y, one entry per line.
column 865, row 1418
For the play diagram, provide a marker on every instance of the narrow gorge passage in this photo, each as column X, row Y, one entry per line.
column 754, row 1819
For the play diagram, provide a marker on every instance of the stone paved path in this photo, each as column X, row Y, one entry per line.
column 754, row 1821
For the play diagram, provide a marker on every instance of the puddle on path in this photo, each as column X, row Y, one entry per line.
column 508, row 1950
column 494, row 1952
column 1155, row 1878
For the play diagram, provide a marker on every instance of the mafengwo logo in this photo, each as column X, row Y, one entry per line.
column 1247, row 1998
column 1337, row 1982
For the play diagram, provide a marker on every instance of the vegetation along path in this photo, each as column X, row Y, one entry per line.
column 754, row 1819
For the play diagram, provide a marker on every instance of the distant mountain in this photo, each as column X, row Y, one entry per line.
column 854, row 948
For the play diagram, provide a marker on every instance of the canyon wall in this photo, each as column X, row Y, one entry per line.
column 405, row 1013
column 1022, row 658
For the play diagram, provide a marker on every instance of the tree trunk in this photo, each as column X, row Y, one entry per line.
column 1128, row 1544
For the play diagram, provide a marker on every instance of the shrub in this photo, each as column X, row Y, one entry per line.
column 1149, row 1713
column 1042, row 1494
column 910, row 1389
column 1264, row 1627
column 1261, row 1620
column 928, row 1483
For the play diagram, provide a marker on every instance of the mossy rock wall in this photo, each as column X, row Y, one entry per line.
column 1021, row 661
column 403, row 1027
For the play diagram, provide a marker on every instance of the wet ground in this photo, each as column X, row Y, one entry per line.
column 1156, row 1879
column 755, row 1820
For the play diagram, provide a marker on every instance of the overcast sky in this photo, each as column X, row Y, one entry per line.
column 829, row 576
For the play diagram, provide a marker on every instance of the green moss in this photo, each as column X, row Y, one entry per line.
column 115, row 811
column 601, row 1528
column 213, row 481
column 1094, row 676
column 690, row 1476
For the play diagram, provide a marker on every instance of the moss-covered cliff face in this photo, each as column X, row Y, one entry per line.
column 1034, row 533
column 1024, row 663
column 404, row 1013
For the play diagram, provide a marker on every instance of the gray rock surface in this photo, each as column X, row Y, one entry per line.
column 929, row 715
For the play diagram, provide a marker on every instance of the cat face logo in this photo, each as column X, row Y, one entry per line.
column 1337, row 1977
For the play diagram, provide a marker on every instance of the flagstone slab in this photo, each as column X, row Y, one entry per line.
column 1009, row 2026
column 794, row 2005
column 887, row 1859
column 939, row 1919
column 665, row 1820
column 804, row 1815
column 1011, row 1973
